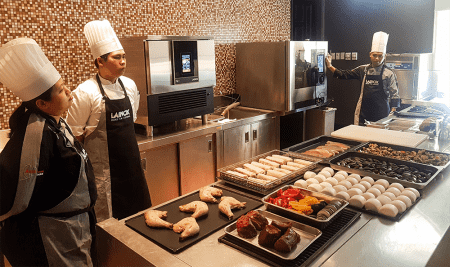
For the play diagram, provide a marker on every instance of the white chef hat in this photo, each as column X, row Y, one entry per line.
column 25, row 70
column 379, row 42
column 101, row 37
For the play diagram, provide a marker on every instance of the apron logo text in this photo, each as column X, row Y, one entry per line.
column 120, row 115
column 372, row 82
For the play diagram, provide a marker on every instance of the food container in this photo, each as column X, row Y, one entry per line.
column 307, row 234
column 421, row 167
column 292, row 214
column 406, row 149
column 265, row 188
column 320, row 141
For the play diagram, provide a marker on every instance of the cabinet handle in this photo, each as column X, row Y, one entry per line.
column 255, row 134
column 247, row 137
column 144, row 164
column 210, row 146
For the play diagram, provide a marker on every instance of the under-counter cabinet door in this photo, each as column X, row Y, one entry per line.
column 265, row 136
column 197, row 163
column 237, row 144
column 160, row 166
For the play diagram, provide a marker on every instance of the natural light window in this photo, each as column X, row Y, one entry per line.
column 442, row 53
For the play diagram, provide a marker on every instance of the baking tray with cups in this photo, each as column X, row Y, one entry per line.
column 399, row 215
column 265, row 188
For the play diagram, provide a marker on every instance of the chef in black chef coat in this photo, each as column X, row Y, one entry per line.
column 102, row 116
column 47, row 185
column 379, row 87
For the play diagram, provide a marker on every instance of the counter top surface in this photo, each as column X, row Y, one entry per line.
column 370, row 239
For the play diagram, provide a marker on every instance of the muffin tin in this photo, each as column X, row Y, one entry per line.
column 315, row 222
column 359, row 199
column 335, row 164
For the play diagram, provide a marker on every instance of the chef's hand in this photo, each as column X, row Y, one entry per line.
column 328, row 60
column 392, row 111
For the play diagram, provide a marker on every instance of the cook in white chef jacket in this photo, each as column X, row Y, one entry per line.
column 379, row 86
column 102, row 116
column 47, row 185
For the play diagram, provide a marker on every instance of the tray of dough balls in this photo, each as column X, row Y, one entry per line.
column 269, row 232
column 407, row 173
column 363, row 193
column 267, row 171
column 306, row 206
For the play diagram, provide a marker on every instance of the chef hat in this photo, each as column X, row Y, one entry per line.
column 101, row 37
column 25, row 70
column 379, row 42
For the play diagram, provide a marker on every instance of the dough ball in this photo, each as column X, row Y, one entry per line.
column 329, row 191
column 328, row 169
column 368, row 195
column 343, row 195
column 400, row 205
column 389, row 195
column 339, row 177
column 314, row 187
column 368, row 179
column 384, row 199
column 415, row 191
column 383, row 182
column 366, row 184
column 354, row 191
column 340, row 188
column 312, row 181
column 405, row 200
column 398, row 186
column 309, row 174
column 409, row 194
column 357, row 201
column 374, row 191
column 352, row 180
column 301, row 183
column 394, row 191
column 345, row 183
column 332, row 181
column 344, row 173
column 388, row 210
column 372, row 204
column 379, row 187
column 360, row 187
column 356, row 176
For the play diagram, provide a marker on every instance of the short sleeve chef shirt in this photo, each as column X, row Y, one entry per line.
column 84, row 114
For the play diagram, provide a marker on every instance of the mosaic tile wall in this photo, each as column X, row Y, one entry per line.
column 57, row 26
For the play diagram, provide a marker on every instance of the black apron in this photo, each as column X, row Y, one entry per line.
column 129, row 190
column 375, row 102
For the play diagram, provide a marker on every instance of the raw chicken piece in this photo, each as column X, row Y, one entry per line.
column 199, row 208
column 188, row 226
column 153, row 218
column 208, row 194
column 228, row 203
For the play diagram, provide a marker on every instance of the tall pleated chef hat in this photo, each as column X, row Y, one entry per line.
column 25, row 70
column 379, row 42
column 101, row 37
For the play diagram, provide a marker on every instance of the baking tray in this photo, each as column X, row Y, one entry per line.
column 396, row 218
column 169, row 240
column 404, row 148
column 320, row 141
column 375, row 176
column 307, row 234
column 259, row 187
column 329, row 234
column 321, row 224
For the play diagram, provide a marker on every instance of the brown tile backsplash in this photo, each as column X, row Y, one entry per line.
column 57, row 26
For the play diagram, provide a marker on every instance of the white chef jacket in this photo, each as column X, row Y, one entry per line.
column 84, row 114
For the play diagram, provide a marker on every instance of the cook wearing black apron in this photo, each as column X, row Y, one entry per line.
column 129, row 190
column 374, row 102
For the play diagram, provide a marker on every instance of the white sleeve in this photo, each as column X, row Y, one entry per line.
column 84, row 114
column 136, row 102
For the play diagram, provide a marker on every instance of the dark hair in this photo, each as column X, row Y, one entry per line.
column 20, row 111
column 104, row 57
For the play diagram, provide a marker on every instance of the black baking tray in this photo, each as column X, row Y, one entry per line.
column 396, row 218
column 320, row 141
column 404, row 148
column 375, row 176
column 329, row 234
column 169, row 240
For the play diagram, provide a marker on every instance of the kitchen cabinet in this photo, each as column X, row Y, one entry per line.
column 243, row 142
column 160, row 167
column 197, row 163
column 179, row 168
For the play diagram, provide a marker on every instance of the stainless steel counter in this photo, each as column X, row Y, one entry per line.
column 192, row 127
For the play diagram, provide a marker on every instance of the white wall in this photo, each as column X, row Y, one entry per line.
column 442, row 5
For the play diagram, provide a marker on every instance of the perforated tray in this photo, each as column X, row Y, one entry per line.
column 259, row 187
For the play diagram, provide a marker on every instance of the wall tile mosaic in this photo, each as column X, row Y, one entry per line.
column 57, row 26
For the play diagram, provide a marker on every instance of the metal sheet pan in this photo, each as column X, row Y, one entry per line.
column 169, row 240
column 375, row 176
column 404, row 148
column 321, row 224
column 307, row 234
column 259, row 187
column 320, row 141
column 329, row 234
